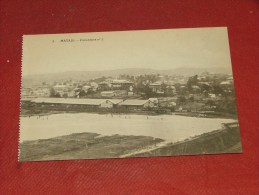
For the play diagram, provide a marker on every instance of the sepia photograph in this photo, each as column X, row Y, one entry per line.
column 121, row 94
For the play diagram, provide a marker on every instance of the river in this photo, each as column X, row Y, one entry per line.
column 171, row 128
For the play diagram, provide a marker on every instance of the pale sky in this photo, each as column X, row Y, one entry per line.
column 156, row 49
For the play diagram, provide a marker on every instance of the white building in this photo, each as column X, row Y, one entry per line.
column 107, row 93
column 86, row 88
column 101, row 103
column 61, row 89
column 42, row 92
column 155, row 100
column 137, row 104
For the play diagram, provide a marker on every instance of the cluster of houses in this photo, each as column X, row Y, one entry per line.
column 95, row 103
column 119, row 93
column 107, row 88
column 36, row 91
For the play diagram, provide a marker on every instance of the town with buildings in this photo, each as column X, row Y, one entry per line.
column 140, row 93
column 205, row 94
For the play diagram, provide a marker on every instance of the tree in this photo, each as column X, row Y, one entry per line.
column 90, row 91
column 163, row 87
column 148, row 91
column 205, row 87
column 82, row 93
column 192, row 81
column 65, row 95
column 191, row 99
column 53, row 93
column 182, row 99
column 57, row 95
column 218, row 90
column 210, row 103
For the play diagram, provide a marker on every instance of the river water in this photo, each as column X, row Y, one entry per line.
column 168, row 127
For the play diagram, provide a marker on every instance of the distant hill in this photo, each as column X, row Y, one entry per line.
column 30, row 80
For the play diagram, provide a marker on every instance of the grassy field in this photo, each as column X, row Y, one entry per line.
column 94, row 146
column 83, row 146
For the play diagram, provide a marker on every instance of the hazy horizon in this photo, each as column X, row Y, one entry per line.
column 121, row 69
column 163, row 49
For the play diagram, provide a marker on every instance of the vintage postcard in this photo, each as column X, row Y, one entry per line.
column 127, row 94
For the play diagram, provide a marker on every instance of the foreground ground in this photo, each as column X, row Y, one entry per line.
column 220, row 141
column 83, row 145
column 92, row 146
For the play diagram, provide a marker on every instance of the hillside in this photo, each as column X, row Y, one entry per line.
column 29, row 80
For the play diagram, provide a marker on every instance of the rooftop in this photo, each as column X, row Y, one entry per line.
column 119, row 81
column 69, row 101
column 133, row 102
column 115, row 101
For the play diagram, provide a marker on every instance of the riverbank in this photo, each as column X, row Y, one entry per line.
column 225, row 140
column 42, row 112
column 95, row 146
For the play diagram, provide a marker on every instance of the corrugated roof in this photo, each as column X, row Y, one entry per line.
column 69, row 101
column 133, row 102
column 121, row 81
column 115, row 101
column 75, row 101
column 107, row 92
